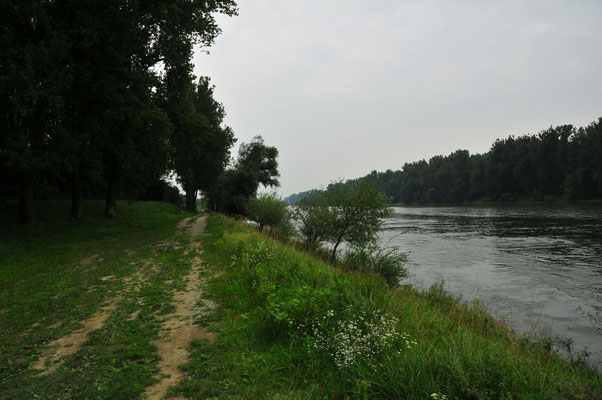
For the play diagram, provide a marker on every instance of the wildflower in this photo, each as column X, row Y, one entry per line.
column 360, row 340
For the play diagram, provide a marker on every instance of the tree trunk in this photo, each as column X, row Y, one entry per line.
column 26, row 210
column 190, row 199
column 111, row 204
column 334, row 251
column 77, row 199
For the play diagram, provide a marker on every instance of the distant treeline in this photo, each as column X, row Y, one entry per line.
column 559, row 163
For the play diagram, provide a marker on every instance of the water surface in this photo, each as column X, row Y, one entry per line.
column 537, row 267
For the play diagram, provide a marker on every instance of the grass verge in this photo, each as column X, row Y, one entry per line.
column 289, row 325
column 293, row 327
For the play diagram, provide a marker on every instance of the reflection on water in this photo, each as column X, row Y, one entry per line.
column 538, row 267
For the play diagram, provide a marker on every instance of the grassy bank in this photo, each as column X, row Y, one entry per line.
column 293, row 327
column 107, row 295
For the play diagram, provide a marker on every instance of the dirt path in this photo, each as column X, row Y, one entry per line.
column 70, row 344
column 179, row 329
column 56, row 351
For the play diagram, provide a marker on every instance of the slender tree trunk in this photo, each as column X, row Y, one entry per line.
column 190, row 199
column 111, row 204
column 113, row 181
column 334, row 251
column 26, row 209
column 77, row 199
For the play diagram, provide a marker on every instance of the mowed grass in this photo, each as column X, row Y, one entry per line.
column 62, row 273
column 293, row 327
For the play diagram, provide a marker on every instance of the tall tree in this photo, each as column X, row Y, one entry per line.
column 202, row 144
column 169, row 30
column 118, row 50
column 256, row 165
column 31, row 80
column 218, row 139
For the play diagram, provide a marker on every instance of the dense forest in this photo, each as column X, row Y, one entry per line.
column 98, row 99
column 559, row 163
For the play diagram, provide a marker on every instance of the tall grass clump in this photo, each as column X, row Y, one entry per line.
column 390, row 263
column 292, row 326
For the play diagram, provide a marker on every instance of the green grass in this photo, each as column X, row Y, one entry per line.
column 46, row 291
column 284, row 328
column 289, row 325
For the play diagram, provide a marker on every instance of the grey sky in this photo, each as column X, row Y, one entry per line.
column 343, row 87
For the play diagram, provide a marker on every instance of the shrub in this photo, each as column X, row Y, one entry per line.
column 311, row 215
column 388, row 263
column 268, row 210
column 349, row 213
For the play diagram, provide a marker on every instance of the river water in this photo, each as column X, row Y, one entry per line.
column 537, row 267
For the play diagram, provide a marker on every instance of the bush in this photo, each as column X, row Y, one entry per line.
column 311, row 214
column 349, row 213
column 268, row 210
column 388, row 263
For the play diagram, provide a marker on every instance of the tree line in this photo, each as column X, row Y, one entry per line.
column 559, row 163
column 98, row 98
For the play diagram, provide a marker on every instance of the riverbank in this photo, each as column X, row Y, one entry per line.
column 307, row 330
column 87, row 309
column 535, row 267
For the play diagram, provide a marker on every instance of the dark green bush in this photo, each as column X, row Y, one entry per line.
column 268, row 210
column 386, row 262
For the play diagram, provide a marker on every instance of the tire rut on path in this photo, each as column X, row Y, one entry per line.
column 179, row 329
column 55, row 352
column 71, row 343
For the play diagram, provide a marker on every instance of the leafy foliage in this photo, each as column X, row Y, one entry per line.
column 82, row 105
column 345, row 213
column 311, row 213
column 355, row 214
column 559, row 163
column 388, row 263
column 268, row 210
column 256, row 165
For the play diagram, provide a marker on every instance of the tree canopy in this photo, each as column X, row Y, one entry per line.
column 256, row 165
column 89, row 97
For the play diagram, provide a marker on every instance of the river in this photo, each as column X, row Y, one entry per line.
column 537, row 267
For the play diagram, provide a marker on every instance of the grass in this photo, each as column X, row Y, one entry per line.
column 47, row 290
column 289, row 326
column 307, row 330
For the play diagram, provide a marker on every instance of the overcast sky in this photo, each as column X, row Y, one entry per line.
column 344, row 87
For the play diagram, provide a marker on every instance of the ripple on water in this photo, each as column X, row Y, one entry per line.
column 536, row 266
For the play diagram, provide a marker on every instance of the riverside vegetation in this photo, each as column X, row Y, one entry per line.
column 562, row 163
column 286, row 324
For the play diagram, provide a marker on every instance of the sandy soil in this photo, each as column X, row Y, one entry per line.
column 179, row 328
column 71, row 343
